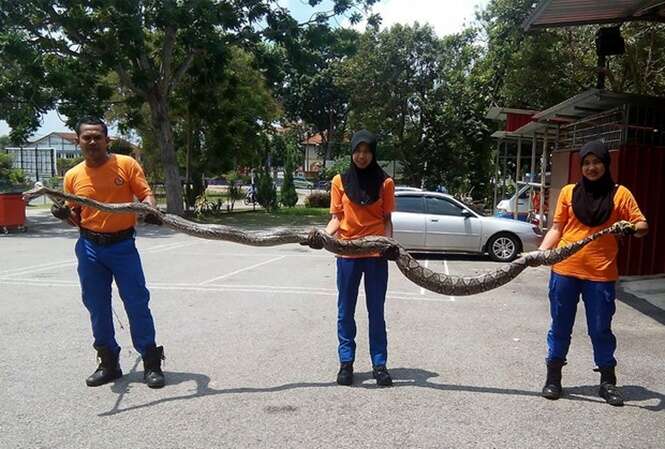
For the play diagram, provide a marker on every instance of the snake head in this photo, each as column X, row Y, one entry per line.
column 35, row 192
column 624, row 228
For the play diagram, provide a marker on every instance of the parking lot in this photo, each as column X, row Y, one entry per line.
column 250, row 344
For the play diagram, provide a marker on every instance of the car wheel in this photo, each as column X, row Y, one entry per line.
column 504, row 247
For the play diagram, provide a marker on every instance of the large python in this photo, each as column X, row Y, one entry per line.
column 424, row 277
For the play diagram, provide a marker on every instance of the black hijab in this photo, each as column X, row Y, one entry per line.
column 593, row 201
column 363, row 187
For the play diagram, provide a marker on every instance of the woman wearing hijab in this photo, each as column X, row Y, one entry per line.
column 361, row 201
column 592, row 204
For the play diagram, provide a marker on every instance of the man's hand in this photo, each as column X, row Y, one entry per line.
column 315, row 239
column 628, row 229
column 61, row 211
column 153, row 219
column 390, row 253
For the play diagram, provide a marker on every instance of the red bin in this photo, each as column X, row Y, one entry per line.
column 12, row 211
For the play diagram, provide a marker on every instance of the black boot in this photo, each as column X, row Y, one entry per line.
column 608, row 387
column 108, row 369
column 382, row 376
column 152, row 367
column 345, row 374
column 552, row 389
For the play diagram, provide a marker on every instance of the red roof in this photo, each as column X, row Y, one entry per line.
column 316, row 139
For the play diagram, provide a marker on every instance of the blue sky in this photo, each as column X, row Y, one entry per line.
column 445, row 16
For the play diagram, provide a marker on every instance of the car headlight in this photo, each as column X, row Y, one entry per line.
column 537, row 230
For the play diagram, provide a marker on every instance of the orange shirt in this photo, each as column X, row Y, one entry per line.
column 119, row 180
column 597, row 260
column 360, row 221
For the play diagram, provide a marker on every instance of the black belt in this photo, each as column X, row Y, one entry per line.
column 107, row 238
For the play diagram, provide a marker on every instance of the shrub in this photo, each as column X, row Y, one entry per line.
column 10, row 176
column 289, row 194
column 266, row 194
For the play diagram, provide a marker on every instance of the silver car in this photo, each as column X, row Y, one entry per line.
column 436, row 222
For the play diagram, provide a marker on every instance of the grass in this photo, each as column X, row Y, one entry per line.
column 259, row 219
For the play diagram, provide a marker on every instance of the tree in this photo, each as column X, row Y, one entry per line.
column 514, row 59
column 288, row 193
column 422, row 96
column 60, row 53
column 266, row 195
column 308, row 83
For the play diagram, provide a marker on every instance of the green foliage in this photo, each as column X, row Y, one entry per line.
column 422, row 96
column 65, row 54
column 10, row 176
column 339, row 166
column 62, row 165
column 235, row 191
column 318, row 199
column 308, row 82
column 289, row 194
column 121, row 146
column 266, row 194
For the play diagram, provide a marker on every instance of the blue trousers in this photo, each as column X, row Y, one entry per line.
column 98, row 266
column 349, row 272
column 598, row 297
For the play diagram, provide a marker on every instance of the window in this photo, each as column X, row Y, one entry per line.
column 411, row 204
column 441, row 206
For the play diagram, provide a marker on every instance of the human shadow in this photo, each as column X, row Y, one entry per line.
column 631, row 393
column 402, row 377
column 641, row 305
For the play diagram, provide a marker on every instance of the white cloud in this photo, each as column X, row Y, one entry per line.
column 445, row 16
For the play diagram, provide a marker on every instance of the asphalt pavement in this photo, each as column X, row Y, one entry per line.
column 250, row 344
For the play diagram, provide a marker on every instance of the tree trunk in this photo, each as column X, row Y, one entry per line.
column 161, row 123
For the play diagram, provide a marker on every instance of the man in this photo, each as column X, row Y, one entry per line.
column 106, row 251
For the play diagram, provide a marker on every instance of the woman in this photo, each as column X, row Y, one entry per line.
column 361, row 200
column 592, row 204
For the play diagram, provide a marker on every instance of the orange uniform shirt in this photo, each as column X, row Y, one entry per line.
column 361, row 221
column 597, row 260
column 119, row 180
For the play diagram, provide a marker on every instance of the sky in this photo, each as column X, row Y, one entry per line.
column 445, row 16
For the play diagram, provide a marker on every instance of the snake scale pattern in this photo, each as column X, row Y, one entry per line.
column 424, row 277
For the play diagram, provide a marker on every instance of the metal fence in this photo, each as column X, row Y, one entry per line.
column 38, row 164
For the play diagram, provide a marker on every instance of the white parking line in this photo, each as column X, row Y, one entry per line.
column 38, row 270
column 69, row 262
column 168, row 247
column 35, row 267
column 217, row 289
column 224, row 276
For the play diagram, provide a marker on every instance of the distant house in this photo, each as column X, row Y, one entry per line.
column 313, row 160
column 38, row 158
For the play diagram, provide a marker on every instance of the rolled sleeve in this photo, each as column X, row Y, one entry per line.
column 388, row 196
column 139, row 185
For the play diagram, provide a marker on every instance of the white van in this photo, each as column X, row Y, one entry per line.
column 506, row 208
